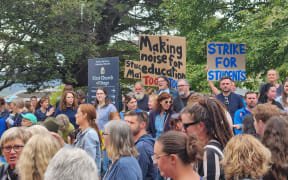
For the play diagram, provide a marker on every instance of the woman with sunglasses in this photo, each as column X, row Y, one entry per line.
column 174, row 152
column 206, row 119
column 159, row 119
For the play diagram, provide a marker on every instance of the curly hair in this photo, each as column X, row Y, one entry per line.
column 36, row 156
column 63, row 105
column 276, row 139
column 245, row 157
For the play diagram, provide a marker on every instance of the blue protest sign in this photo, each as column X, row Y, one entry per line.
column 104, row 72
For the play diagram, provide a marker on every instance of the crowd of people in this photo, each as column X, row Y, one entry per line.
column 159, row 134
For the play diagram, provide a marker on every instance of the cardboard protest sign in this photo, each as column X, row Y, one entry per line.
column 159, row 55
column 226, row 59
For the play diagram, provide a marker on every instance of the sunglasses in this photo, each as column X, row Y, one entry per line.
column 170, row 102
column 186, row 125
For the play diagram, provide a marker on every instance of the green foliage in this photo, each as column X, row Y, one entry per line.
column 54, row 97
column 261, row 25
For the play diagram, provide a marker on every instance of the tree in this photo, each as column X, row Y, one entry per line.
column 260, row 24
column 49, row 39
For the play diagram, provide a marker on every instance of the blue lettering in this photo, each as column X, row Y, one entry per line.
column 235, row 46
column 219, row 48
column 226, row 62
column 211, row 47
column 210, row 75
column 233, row 62
column 217, row 61
column 226, row 49
column 243, row 76
column 242, row 48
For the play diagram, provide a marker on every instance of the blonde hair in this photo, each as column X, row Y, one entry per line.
column 245, row 156
column 37, row 129
column 36, row 156
column 121, row 142
column 15, row 133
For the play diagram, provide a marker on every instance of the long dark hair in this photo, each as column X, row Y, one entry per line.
column 107, row 99
column 160, row 98
column 263, row 93
column 209, row 111
column 275, row 138
column 284, row 94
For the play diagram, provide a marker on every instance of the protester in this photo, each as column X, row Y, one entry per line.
column 52, row 125
column 152, row 102
column 37, row 129
column 17, row 106
column 3, row 116
column 248, row 125
column 81, row 97
column 64, row 126
column 68, row 105
column 272, row 77
column 12, row 143
column 129, row 104
column 28, row 119
column 174, row 152
column 275, row 138
column 119, row 144
column 261, row 113
column 251, row 100
column 207, row 120
column 103, row 107
column 70, row 164
column 89, row 137
column 141, row 97
column 33, row 100
column 36, row 156
column 163, row 85
column 232, row 101
column 245, row 158
column 67, row 87
column 159, row 119
column 43, row 110
column 176, row 122
column 284, row 96
column 28, row 107
column 180, row 101
column 150, row 91
column 144, row 142
column 268, row 95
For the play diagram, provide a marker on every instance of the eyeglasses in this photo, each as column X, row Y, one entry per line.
column 186, row 125
column 156, row 157
column 99, row 94
column 16, row 148
column 170, row 102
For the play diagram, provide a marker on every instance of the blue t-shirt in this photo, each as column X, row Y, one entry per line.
column 3, row 116
column 239, row 114
column 125, row 168
column 103, row 115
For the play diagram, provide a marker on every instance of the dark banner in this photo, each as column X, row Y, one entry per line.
column 103, row 72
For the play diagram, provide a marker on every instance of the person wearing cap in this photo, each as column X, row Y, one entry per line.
column 163, row 85
column 28, row 119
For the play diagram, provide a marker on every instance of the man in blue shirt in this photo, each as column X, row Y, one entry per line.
column 251, row 100
column 232, row 101
column 144, row 142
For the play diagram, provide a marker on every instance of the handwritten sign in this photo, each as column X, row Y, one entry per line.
column 159, row 55
column 226, row 59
